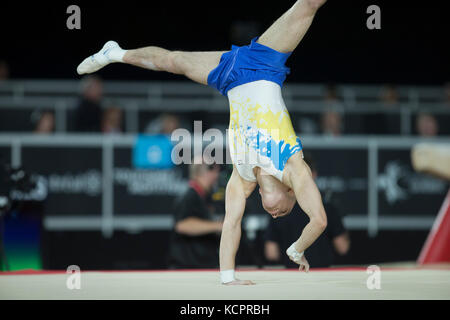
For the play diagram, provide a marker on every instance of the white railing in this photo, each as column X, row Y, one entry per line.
column 135, row 97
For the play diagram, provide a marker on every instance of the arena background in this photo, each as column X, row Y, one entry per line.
column 410, row 48
column 96, row 210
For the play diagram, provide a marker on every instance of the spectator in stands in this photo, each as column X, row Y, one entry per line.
column 45, row 122
column 389, row 96
column 331, row 119
column 331, row 93
column 282, row 232
column 88, row 113
column 382, row 122
column 4, row 70
column 427, row 125
column 166, row 123
column 169, row 123
column 326, row 122
column 112, row 120
column 331, row 123
column 195, row 238
column 386, row 123
column 331, row 98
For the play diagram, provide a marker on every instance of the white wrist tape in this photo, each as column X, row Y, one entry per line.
column 294, row 254
column 227, row 276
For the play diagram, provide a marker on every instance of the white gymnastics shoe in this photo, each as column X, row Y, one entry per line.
column 111, row 52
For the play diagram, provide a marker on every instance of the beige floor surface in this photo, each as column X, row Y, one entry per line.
column 277, row 285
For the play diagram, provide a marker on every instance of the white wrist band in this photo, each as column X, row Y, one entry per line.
column 294, row 254
column 227, row 276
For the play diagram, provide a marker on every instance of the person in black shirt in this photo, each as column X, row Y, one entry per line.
column 88, row 113
column 196, row 235
column 281, row 233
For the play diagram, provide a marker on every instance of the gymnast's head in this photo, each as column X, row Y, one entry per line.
column 277, row 198
column 277, row 203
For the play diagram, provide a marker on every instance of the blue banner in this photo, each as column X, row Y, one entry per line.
column 152, row 152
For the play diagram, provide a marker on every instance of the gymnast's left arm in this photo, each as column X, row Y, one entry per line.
column 231, row 231
column 298, row 176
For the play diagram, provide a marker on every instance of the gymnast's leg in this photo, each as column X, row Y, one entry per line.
column 286, row 32
column 194, row 65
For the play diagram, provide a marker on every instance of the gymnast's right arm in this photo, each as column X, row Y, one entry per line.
column 231, row 230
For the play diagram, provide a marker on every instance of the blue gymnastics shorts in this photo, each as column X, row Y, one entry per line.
column 247, row 64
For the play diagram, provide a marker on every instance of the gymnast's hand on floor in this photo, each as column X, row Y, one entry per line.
column 298, row 257
column 301, row 261
column 304, row 265
column 238, row 282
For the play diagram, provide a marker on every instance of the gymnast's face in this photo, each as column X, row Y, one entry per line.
column 278, row 202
